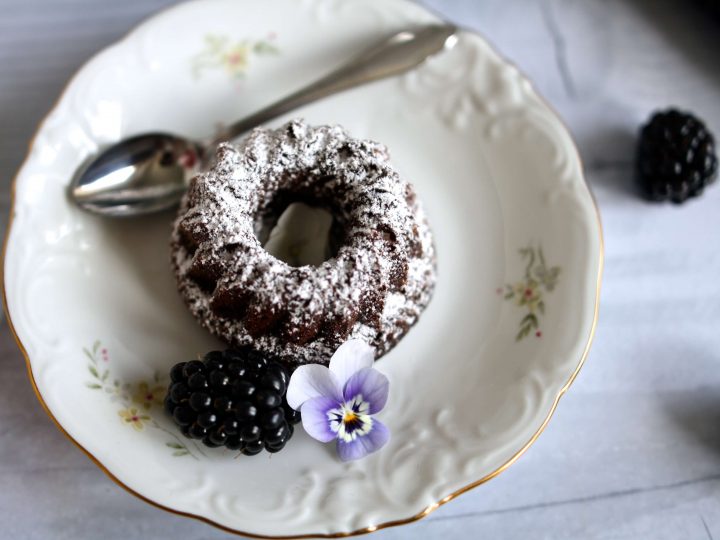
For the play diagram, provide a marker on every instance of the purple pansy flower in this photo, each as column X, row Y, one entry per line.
column 338, row 403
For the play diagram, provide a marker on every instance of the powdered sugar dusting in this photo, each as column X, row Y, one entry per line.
column 375, row 287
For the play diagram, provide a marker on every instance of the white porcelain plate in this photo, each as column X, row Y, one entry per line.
column 94, row 305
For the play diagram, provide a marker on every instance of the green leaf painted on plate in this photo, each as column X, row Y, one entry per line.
column 264, row 47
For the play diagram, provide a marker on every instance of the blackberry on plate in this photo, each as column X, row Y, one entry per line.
column 234, row 399
column 676, row 157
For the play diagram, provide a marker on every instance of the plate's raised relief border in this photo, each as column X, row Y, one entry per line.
column 471, row 83
column 466, row 81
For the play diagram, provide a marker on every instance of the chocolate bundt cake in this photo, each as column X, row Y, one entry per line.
column 375, row 286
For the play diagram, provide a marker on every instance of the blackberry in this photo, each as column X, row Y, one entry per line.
column 676, row 157
column 234, row 399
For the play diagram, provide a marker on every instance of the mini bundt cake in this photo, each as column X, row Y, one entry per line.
column 374, row 288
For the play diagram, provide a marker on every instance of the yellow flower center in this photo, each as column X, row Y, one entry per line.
column 351, row 420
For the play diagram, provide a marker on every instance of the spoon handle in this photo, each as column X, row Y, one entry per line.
column 394, row 55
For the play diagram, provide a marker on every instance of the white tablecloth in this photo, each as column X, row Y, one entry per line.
column 634, row 448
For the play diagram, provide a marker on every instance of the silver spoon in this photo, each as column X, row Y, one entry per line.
column 150, row 172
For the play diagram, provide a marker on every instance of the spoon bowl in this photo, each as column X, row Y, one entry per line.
column 140, row 175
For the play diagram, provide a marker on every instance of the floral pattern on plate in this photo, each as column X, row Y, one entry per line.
column 221, row 52
column 140, row 403
column 528, row 292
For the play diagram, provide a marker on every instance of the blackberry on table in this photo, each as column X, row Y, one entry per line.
column 676, row 157
column 234, row 399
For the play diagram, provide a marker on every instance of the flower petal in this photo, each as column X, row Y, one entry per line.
column 351, row 356
column 378, row 436
column 311, row 381
column 315, row 418
column 372, row 385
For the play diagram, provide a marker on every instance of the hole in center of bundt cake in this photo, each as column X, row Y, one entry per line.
column 301, row 235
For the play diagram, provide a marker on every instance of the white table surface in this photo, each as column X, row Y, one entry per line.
column 634, row 448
